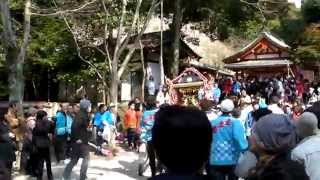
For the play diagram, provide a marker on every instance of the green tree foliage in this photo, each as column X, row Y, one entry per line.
column 289, row 26
column 308, row 43
column 311, row 11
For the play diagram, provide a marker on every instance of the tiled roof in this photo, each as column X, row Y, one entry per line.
column 258, row 63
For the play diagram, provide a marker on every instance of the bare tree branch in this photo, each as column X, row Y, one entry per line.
column 77, row 45
column 61, row 12
column 143, row 70
column 106, row 37
column 258, row 7
column 26, row 32
column 123, row 14
column 273, row 2
column 97, row 48
column 132, row 29
column 154, row 5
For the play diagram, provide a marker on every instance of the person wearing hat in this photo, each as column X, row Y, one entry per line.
column 79, row 139
column 228, row 142
column 272, row 139
column 308, row 150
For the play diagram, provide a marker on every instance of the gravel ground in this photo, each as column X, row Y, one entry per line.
column 122, row 167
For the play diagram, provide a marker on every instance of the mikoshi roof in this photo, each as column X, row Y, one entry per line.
column 264, row 35
column 258, row 64
column 193, row 70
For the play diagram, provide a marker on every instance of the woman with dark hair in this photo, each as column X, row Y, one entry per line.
column 41, row 142
column 7, row 149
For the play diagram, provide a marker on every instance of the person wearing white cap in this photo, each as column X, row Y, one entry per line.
column 308, row 150
column 227, row 143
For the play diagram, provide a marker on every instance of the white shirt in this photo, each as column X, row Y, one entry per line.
column 308, row 153
column 211, row 115
column 160, row 98
column 151, row 88
column 244, row 118
column 275, row 109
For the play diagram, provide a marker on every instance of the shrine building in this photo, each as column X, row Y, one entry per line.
column 265, row 56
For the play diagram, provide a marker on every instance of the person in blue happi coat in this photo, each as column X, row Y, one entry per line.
column 228, row 141
column 146, row 125
column 98, row 125
column 62, row 132
column 236, row 88
column 108, row 121
column 216, row 93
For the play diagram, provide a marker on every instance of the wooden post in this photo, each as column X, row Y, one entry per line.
column 161, row 46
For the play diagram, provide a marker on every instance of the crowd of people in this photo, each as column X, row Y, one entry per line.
column 262, row 128
column 190, row 144
column 249, row 129
column 288, row 88
column 69, row 132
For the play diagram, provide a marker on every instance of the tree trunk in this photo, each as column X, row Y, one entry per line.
column 143, row 72
column 126, row 60
column 104, row 92
column 15, row 56
column 177, row 19
column 116, row 56
column 16, row 81
column 114, row 84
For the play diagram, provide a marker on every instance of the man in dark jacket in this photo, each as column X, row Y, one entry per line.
column 79, row 140
column 42, row 142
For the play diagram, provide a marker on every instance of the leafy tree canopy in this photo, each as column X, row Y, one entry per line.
column 311, row 11
column 309, row 44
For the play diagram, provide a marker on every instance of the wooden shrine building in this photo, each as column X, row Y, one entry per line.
column 133, row 76
column 265, row 56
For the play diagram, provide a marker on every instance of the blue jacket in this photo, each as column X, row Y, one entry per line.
column 108, row 117
column 236, row 87
column 146, row 125
column 63, row 124
column 97, row 120
column 228, row 141
column 216, row 93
